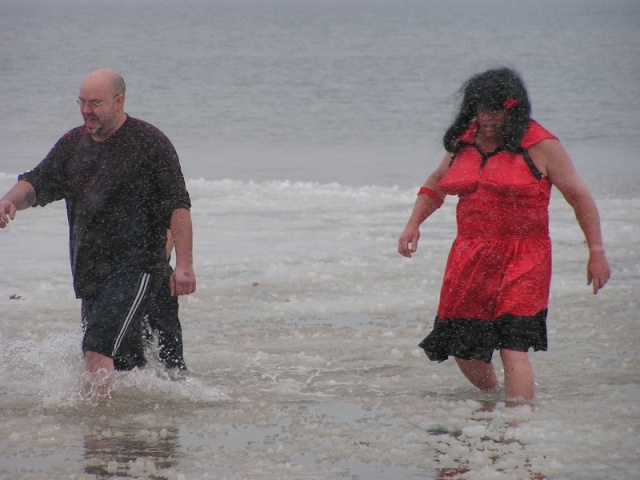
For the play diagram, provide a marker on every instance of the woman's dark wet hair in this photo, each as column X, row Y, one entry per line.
column 490, row 90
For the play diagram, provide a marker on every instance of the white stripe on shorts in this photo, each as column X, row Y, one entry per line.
column 142, row 288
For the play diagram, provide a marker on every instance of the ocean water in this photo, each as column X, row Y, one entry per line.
column 305, row 128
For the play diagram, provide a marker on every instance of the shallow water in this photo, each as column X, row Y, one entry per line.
column 302, row 344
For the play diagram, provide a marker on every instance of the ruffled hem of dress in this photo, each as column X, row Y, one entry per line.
column 471, row 339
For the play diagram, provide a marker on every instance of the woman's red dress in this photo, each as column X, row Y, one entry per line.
column 496, row 285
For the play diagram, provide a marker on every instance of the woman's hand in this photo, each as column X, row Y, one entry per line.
column 598, row 272
column 408, row 242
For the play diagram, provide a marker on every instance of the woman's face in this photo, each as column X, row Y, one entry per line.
column 489, row 123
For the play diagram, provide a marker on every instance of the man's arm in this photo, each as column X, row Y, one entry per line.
column 183, row 280
column 21, row 196
column 169, row 246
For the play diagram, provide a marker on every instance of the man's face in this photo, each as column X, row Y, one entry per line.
column 100, row 108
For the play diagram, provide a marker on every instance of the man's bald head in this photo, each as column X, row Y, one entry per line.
column 107, row 77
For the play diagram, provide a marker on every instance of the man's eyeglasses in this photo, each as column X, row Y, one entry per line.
column 92, row 104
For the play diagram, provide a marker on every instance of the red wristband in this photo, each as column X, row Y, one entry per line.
column 431, row 193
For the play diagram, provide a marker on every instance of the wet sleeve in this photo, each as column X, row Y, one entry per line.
column 169, row 178
column 48, row 177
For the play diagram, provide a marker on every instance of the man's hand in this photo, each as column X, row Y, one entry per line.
column 7, row 212
column 183, row 282
column 21, row 196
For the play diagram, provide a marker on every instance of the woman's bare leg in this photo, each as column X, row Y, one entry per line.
column 479, row 373
column 519, row 382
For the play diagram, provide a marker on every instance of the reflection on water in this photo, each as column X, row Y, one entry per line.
column 131, row 452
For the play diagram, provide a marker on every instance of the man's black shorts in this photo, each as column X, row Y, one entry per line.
column 113, row 318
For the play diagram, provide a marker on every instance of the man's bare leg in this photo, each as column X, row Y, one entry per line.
column 100, row 370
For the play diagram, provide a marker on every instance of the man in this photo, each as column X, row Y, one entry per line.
column 123, row 186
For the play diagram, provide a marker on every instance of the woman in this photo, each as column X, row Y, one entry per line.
column 495, row 291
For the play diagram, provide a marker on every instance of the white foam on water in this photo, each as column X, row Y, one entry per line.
column 302, row 344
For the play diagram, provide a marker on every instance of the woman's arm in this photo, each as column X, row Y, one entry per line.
column 556, row 163
column 424, row 206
